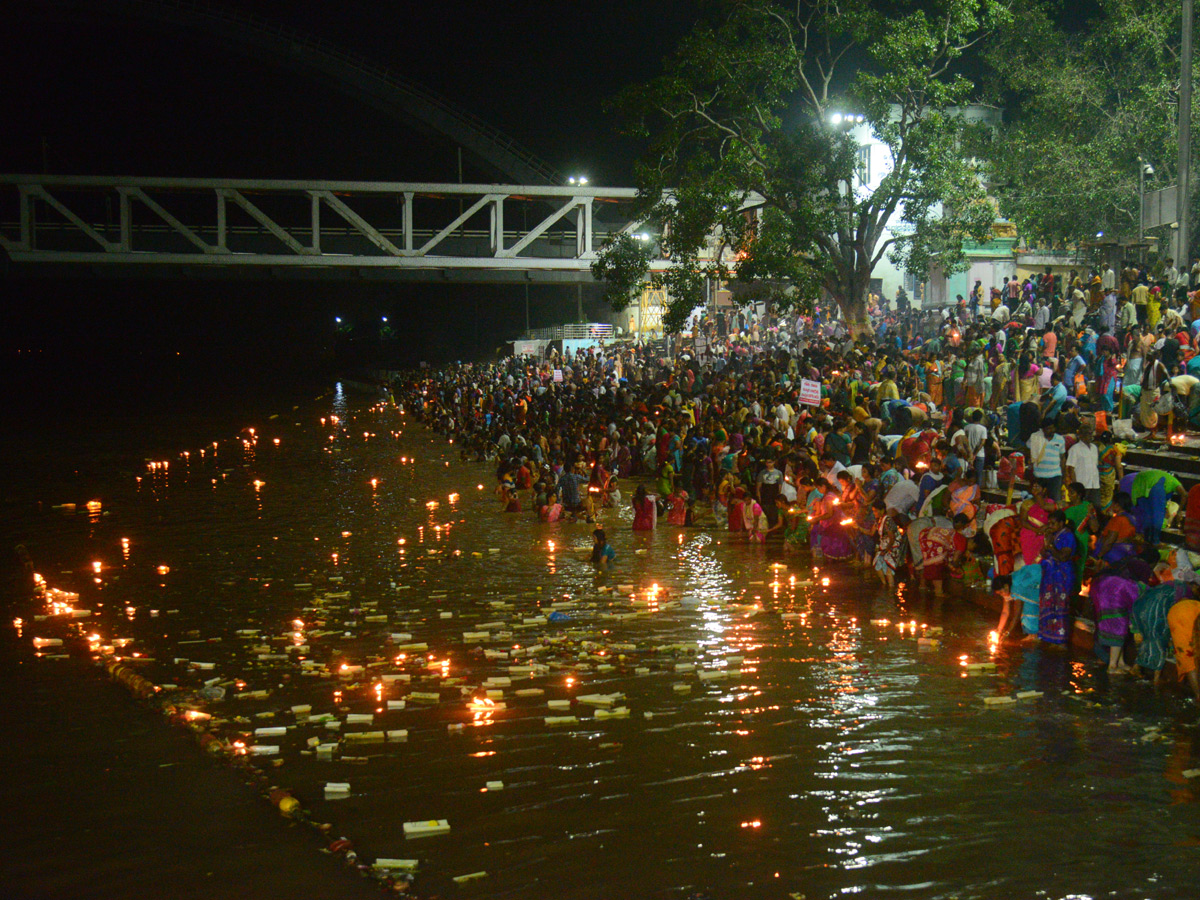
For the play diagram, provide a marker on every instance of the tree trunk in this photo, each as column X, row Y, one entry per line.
column 852, row 301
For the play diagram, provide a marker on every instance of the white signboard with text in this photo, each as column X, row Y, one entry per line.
column 810, row 392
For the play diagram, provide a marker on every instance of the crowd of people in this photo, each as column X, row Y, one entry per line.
column 970, row 445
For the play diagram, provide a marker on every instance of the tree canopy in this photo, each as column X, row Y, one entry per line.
column 1085, row 101
column 747, row 140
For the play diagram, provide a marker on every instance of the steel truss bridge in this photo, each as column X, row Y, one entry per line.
column 343, row 229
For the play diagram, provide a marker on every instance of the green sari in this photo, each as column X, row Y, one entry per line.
column 1076, row 516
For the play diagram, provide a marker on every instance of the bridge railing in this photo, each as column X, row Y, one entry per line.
column 414, row 225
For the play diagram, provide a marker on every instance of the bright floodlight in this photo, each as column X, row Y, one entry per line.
column 858, row 118
column 836, row 118
column 1099, row 234
column 338, row 319
column 385, row 318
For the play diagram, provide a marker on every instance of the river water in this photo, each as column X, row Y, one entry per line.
column 784, row 736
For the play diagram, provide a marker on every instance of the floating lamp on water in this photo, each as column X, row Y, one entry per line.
column 163, row 570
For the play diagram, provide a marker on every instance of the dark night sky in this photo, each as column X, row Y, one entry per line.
column 121, row 94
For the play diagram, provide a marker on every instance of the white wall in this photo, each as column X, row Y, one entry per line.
column 880, row 166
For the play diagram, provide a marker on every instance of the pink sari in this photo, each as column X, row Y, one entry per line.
column 1033, row 543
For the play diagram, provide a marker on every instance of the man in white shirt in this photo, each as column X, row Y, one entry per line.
column 830, row 468
column 1108, row 280
column 976, row 441
column 1000, row 315
column 1042, row 317
column 1170, row 273
column 1078, row 307
column 903, row 496
column 1083, row 465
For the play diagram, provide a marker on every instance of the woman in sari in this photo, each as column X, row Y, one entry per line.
column 937, row 545
column 933, row 380
column 1082, row 519
column 866, row 524
column 1112, row 471
column 724, row 496
column 1034, row 514
column 1149, row 622
column 754, row 520
column 1027, row 378
column 1107, row 381
column 734, row 519
column 1114, row 597
column 1183, row 618
column 1027, row 588
column 890, row 546
column 643, row 509
column 1058, row 581
column 813, row 505
column 829, row 535
column 795, row 528
column 677, row 507
column 964, row 498
column 1002, row 527
column 1150, row 490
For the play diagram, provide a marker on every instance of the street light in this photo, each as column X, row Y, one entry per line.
column 1144, row 169
column 577, row 179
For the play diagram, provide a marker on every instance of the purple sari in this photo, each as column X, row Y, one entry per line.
column 1114, row 597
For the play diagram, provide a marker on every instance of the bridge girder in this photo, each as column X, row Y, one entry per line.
column 389, row 229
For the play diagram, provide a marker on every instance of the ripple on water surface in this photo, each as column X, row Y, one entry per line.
column 782, row 736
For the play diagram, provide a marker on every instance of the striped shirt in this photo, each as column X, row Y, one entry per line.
column 1046, row 454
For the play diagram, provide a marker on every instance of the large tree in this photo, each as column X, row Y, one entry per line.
column 1086, row 99
column 751, row 112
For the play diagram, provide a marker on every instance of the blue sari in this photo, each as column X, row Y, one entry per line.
column 1026, row 585
column 1149, row 620
column 1058, row 583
